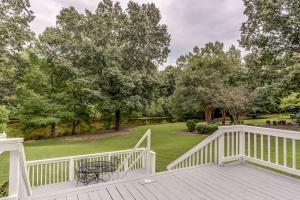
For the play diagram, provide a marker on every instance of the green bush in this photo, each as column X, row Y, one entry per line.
column 191, row 125
column 206, row 129
column 4, row 190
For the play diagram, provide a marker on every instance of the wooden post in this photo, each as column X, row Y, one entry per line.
column 153, row 159
column 221, row 149
column 242, row 146
column 148, row 164
column 71, row 169
column 14, row 174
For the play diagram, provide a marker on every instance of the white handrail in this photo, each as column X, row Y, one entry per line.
column 147, row 136
column 235, row 143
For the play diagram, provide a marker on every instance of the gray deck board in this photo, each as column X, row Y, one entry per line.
column 213, row 182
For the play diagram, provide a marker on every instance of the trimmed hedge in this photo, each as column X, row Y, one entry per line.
column 191, row 125
column 206, row 129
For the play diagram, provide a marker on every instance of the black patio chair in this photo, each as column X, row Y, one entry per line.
column 84, row 177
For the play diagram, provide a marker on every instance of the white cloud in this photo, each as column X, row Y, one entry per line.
column 190, row 22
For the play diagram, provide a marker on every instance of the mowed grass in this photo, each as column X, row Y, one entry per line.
column 167, row 141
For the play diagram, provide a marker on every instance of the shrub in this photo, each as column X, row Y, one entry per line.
column 274, row 123
column 206, row 129
column 191, row 125
column 268, row 122
column 4, row 190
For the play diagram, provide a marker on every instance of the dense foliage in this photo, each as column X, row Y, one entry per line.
column 103, row 64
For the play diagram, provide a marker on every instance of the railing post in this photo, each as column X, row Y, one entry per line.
column 153, row 161
column 71, row 169
column 221, row 149
column 148, row 164
column 242, row 145
column 14, row 174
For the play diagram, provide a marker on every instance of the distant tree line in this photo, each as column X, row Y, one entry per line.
column 104, row 64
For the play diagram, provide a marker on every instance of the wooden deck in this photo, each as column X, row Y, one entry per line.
column 211, row 182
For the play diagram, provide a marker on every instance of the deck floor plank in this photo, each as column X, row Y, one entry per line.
column 104, row 195
column 252, row 188
column 271, row 186
column 124, row 192
column 229, row 182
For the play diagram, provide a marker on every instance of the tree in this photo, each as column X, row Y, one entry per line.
column 272, row 27
column 3, row 118
column 204, row 71
column 128, row 46
column 235, row 100
column 291, row 103
column 41, row 107
column 15, row 16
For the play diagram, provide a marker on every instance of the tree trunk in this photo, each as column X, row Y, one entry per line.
column 74, row 127
column 53, row 129
column 208, row 112
column 118, row 120
column 223, row 116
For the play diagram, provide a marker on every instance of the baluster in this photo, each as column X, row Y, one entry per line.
column 57, row 168
column 294, row 153
column 32, row 175
column 221, row 149
column 190, row 161
column 66, row 170
column 236, row 143
column 216, row 151
column 242, row 144
column 210, row 152
column 255, row 145
column 197, row 157
column 50, row 173
column 269, row 148
column 46, row 173
column 276, row 149
column 249, row 143
column 232, row 143
column 284, row 152
column 206, row 149
column 262, row 147
column 228, row 144
column 201, row 156
column 41, row 183
column 37, row 175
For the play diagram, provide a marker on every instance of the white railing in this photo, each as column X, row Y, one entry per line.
column 58, row 170
column 19, row 187
column 3, row 135
column 272, row 148
column 149, row 157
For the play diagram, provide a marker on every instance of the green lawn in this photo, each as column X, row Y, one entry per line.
column 166, row 142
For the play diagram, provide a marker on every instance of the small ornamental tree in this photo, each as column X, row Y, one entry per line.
column 291, row 103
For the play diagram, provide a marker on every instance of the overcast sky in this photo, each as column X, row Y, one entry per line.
column 190, row 22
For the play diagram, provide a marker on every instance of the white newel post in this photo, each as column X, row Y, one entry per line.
column 71, row 169
column 153, row 161
column 14, row 174
column 148, row 164
column 221, row 149
column 242, row 146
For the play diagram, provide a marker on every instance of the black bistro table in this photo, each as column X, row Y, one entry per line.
column 94, row 169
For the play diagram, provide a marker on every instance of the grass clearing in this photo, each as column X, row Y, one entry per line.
column 166, row 142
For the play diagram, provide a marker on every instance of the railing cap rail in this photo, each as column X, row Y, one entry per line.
column 79, row 156
column 11, row 140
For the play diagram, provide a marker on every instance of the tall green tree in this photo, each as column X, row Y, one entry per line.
column 204, row 71
column 130, row 45
column 41, row 106
column 272, row 27
column 15, row 16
